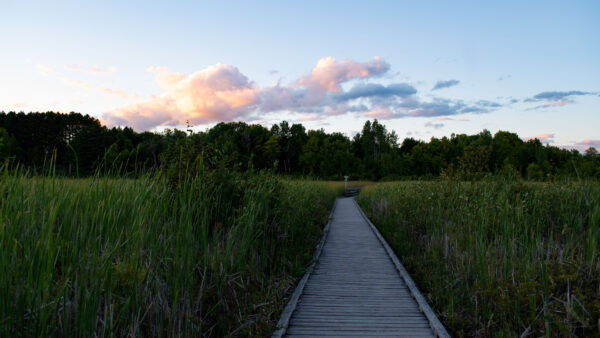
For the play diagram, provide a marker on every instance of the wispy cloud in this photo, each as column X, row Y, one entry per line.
column 165, row 78
column 557, row 96
column 45, row 70
column 556, row 104
column 434, row 125
column 445, row 84
column 544, row 138
column 92, row 69
column 377, row 90
column 582, row 146
column 101, row 89
column 15, row 106
column 554, row 98
column 445, row 107
column 446, row 118
column 49, row 71
column 589, row 143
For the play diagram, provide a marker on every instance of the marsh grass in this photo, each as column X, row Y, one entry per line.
column 498, row 257
column 100, row 256
column 338, row 186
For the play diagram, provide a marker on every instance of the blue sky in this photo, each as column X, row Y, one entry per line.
column 529, row 67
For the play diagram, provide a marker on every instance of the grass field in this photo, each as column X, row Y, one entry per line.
column 498, row 258
column 115, row 257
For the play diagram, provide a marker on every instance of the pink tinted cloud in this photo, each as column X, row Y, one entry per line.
column 117, row 92
column 589, row 143
column 582, row 146
column 556, row 103
column 544, row 138
column 312, row 118
column 217, row 93
column 222, row 93
column 311, row 91
column 446, row 118
column 16, row 106
column 164, row 78
column 329, row 73
column 380, row 113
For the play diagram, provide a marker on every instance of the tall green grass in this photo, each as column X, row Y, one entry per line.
column 213, row 256
column 498, row 257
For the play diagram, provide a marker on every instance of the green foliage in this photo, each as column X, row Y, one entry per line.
column 212, row 255
column 79, row 145
column 498, row 257
column 8, row 146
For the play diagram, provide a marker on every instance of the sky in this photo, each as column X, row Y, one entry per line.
column 422, row 68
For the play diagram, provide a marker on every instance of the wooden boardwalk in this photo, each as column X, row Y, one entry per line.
column 357, row 287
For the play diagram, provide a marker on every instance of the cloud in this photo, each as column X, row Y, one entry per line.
column 217, row 93
column 582, row 146
column 445, row 84
column 488, row 104
column 329, row 74
column 223, row 93
column 446, row 118
column 557, row 103
column 589, row 143
column 557, row 96
column 437, row 107
column 377, row 90
column 311, row 118
column 164, row 78
column 434, row 125
column 105, row 90
column 45, row 70
column 446, row 107
column 49, row 71
column 381, row 113
column 93, row 69
column 16, row 106
column 554, row 98
column 544, row 138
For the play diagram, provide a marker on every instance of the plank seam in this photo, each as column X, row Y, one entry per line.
column 437, row 326
column 286, row 315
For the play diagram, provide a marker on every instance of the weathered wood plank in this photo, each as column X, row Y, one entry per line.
column 355, row 288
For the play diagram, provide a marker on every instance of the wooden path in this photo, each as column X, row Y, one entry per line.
column 357, row 287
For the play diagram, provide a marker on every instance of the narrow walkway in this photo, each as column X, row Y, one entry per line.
column 356, row 288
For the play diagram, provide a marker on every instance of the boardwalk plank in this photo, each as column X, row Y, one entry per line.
column 355, row 288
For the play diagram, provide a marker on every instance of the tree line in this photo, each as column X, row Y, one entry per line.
column 79, row 145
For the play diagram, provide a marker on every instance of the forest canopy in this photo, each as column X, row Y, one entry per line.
column 79, row 145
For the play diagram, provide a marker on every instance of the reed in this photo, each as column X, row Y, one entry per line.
column 101, row 256
column 498, row 257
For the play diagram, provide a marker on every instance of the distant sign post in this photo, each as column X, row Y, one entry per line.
column 345, row 182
